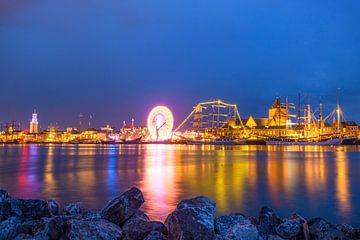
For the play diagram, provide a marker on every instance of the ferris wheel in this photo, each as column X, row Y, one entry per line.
column 160, row 123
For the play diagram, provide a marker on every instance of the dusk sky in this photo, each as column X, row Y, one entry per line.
column 118, row 59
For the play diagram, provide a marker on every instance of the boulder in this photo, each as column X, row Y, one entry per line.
column 4, row 195
column 154, row 235
column 268, row 221
column 192, row 219
column 100, row 229
column 5, row 210
column 138, row 227
column 291, row 227
column 29, row 226
column 236, row 226
column 29, row 208
column 322, row 229
column 10, row 228
column 53, row 207
column 274, row 237
column 123, row 207
column 73, row 209
column 57, row 227
column 349, row 231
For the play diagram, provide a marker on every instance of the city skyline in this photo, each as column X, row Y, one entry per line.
column 117, row 60
column 88, row 120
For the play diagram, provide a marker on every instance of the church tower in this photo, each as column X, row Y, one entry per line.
column 34, row 124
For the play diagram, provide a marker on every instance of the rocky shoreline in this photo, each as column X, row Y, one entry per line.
column 121, row 219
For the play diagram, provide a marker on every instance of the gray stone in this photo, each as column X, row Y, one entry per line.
column 192, row 219
column 57, row 228
column 268, row 221
column 101, row 229
column 4, row 195
column 154, row 235
column 29, row 208
column 291, row 227
column 53, row 207
column 322, row 229
column 139, row 226
column 10, row 228
column 5, row 210
column 274, row 237
column 349, row 231
column 73, row 209
column 236, row 226
column 123, row 207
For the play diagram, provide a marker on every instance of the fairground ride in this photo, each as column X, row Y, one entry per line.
column 214, row 118
column 160, row 123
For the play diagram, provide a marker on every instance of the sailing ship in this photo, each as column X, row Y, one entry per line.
column 310, row 131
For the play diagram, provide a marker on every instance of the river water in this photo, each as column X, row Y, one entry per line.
column 313, row 181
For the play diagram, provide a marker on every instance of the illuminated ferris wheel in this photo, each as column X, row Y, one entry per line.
column 160, row 123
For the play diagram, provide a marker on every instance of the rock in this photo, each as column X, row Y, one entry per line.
column 322, row 229
column 349, row 231
column 154, row 235
column 91, row 216
column 138, row 227
column 192, row 219
column 198, row 202
column 28, row 226
column 4, row 195
column 274, row 237
column 53, row 207
column 291, row 227
column 236, row 226
column 101, row 229
column 57, row 228
column 29, row 208
column 123, row 207
column 268, row 221
column 5, row 210
column 73, row 209
column 10, row 228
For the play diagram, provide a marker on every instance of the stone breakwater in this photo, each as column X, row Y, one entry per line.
column 121, row 219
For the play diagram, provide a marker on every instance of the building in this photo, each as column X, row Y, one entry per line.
column 34, row 124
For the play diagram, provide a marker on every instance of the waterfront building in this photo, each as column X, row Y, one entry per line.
column 34, row 124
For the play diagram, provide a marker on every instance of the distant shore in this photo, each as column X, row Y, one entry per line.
column 121, row 219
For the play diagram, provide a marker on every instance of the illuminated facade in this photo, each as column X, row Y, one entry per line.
column 34, row 124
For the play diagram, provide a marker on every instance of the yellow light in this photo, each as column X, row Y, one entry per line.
column 160, row 123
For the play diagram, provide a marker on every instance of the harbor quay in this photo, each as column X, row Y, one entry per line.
column 212, row 122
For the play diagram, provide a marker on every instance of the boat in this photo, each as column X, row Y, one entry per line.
column 130, row 141
column 220, row 141
column 350, row 141
column 107, row 141
column 327, row 142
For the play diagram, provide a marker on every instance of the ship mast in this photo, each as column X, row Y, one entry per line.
column 338, row 111
column 321, row 117
column 309, row 114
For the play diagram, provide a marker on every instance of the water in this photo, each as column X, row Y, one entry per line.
column 313, row 181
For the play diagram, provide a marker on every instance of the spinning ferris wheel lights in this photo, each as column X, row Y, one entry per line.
column 160, row 123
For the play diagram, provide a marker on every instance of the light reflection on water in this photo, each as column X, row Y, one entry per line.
column 311, row 180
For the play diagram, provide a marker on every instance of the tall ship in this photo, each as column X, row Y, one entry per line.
column 312, row 127
column 216, row 122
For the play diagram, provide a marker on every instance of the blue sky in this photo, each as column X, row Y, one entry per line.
column 118, row 59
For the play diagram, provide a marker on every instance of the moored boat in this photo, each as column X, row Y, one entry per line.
column 221, row 141
column 327, row 142
column 131, row 141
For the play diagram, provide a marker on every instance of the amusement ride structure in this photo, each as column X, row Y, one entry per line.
column 160, row 123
